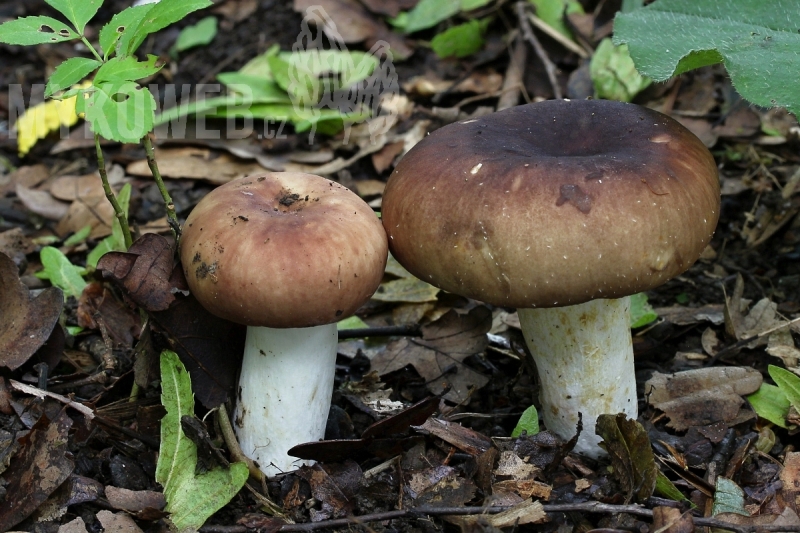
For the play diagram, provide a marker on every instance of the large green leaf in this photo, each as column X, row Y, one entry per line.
column 69, row 73
column 757, row 41
column 121, row 111
column 35, row 30
column 127, row 68
column 119, row 25
column 162, row 14
column 191, row 498
column 78, row 12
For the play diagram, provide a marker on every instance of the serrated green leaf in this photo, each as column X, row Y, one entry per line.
column 162, row 14
column 60, row 272
column 528, row 422
column 78, row 12
column 728, row 498
column 788, row 382
column 642, row 313
column 121, row 111
column 127, row 68
column 191, row 499
column 199, row 34
column 461, row 40
column 628, row 447
column 770, row 403
column 116, row 241
column 68, row 73
column 429, row 13
column 35, row 30
column 613, row 73
column 119, row 24
column 756, row 41
column 667, row 489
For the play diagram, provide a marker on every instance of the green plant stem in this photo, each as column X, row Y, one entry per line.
column 91, row 49
column 172, row 218
column 118, row 211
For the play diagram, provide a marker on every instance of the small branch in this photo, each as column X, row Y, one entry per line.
column 233, row 445
column 512, row 82
column 587, row 507
column 118, row 212
column 172, row 218
column 527, row 32
column 384, row 331
column 566, row 42
column 39, row 393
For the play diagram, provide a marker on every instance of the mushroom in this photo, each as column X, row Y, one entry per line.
column 288, row 254
column 561, row 209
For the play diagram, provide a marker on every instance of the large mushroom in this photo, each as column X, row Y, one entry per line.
column 561, row 209
column 288, row 254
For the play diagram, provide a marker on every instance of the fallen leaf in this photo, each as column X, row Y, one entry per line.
column 439, row 355
column 687, row 316
column 195, row 164
column 702, row 396
column 42, row 203
column 526, row 512
column 27, row 322
column 28, row 176
column 134, row 501
column 440, row 486
column 17, row 246
column 335, row 486
column 672, row 520
column 117, row 522
column 465, row 439
column 144, row 271
column 121, row 322
column 629, row 449
column 37, row 470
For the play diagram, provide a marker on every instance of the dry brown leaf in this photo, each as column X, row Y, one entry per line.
column 510, row 464
column 526, row 512
column 687, row 316
column 703, row 396
column 195, row 163
column 441, row 485
column 465, row 439
column 42, row 203
column 672, row 520
column 28, row 176
column 118, row 522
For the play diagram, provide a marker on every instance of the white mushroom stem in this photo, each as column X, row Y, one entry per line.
column 584, row 356
column 284, row 394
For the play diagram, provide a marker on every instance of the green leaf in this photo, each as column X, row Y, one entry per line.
column 469, row 5
column 265, row 90
column 116, row 241
column 352, row 322
column 127, row 68
column 191, row 498
column 78, row 12
column 35, row 30
column 667, row 489
column 461, row 40
column 429, row 13
column 199, row 34
column 613, row 73
column 629, row 449
column 120, row 24
column 756, row 41
column 769, row 402
column 642, row 313
column 528, row 422
column 68, row 73
column 728, row 498
column 788, row 382
column 162, row 14
column 552, row 13
column 60, row 272
column 121, row 111
column 78, row 237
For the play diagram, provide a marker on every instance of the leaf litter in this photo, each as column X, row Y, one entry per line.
column 452, row 449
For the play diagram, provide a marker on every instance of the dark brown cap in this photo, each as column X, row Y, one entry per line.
column 553, row 203
column 283, row 250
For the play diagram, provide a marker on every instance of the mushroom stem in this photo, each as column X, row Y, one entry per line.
column 584, row 356
column 285, row 391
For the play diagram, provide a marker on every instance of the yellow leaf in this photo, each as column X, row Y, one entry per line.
column 43, row 118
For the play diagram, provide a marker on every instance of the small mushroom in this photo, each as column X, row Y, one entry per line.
column 561, row 209
column 288, row 254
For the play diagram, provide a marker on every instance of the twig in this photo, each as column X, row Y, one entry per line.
column 557, row 36
column 172, row 218
column 527, row 32
column 512, row 82
column 587, row 507
column 118, row 212
column 233, row 445
column 383, row 331
column 39, row 393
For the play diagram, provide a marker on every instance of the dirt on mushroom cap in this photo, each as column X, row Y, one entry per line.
column 553, row 203
column 283, row 249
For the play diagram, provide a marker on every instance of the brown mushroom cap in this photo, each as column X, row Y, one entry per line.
column 553, row 203
column 283, row 250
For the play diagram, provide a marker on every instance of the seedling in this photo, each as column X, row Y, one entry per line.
column 114, row 104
